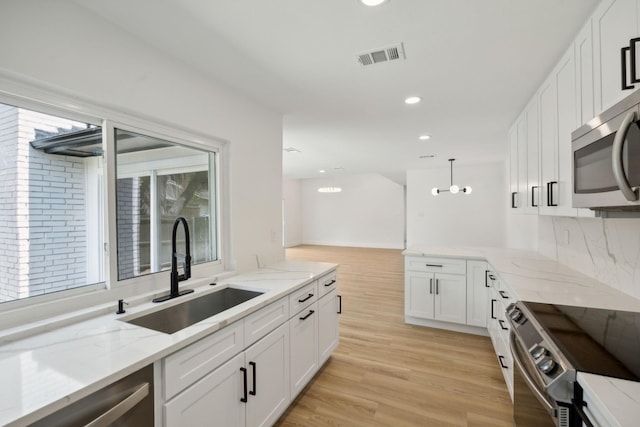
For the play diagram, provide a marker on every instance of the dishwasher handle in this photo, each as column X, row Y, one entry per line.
column 121, row 408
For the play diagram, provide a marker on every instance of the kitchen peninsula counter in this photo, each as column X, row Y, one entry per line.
column 50, row 370
column 536, row 278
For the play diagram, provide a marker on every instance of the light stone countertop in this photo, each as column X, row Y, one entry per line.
column 45, row 372
column 536, row 278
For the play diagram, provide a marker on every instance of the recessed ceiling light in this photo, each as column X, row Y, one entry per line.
column 372, row 2
column 412, row 100
column 322, row 171
column 424, row 137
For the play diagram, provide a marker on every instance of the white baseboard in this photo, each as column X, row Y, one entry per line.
column 467, row 329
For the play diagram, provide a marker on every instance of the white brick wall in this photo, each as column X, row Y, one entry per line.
column 43, row 244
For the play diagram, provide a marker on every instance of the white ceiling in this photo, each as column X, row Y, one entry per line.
column 475, row 63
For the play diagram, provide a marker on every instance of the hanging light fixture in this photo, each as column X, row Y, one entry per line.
column 453, row 189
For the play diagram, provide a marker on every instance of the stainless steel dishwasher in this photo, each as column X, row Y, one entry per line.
column 127, row 402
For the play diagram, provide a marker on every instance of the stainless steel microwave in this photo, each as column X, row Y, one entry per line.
column 606, row 159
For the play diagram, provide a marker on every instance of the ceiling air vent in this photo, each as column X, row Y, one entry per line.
column 384, row 54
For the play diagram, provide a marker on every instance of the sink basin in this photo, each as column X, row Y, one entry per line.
column 180, row 316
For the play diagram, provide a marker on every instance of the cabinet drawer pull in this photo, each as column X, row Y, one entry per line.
column 434, row 265
column 430, row 286
column 513, row 200
column 437, row 283
column 501, row 358
column 307, row 316
column 550, row 201
column 504, row 328
column 330, row 283
column 306, row 298
column 339, row 304
column 493, row 315
column 623, row 67
column 533, row 196
column 486, row 278
column 253, row 366
column 244, row 382
column 503, row 294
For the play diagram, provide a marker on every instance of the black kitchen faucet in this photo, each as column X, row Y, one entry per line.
column 175, row 277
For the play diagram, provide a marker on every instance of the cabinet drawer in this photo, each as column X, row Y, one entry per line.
column 327, row 283
column 265, row 320
column 436, row 265
column 303, row 297
column 188, row 365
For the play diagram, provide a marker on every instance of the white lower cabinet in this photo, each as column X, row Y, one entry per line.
column 267, row 365
column 447, row 293
column 247, row 373
column 304, row 347
column 216, row 396
column 328, row 326
column 477, row 293
column 499, row 297
column 314, row 331
column 251, row 389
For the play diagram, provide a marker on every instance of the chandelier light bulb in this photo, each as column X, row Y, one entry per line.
column 454, row 189
column 435, row 191
column 467, row 190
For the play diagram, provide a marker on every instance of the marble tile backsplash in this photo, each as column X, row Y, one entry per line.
column 605, row 249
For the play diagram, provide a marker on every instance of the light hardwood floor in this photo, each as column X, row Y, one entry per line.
column 388, row 373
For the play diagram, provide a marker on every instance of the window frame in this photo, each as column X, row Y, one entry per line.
column 22, row 93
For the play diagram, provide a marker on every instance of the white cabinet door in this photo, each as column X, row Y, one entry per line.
column 328, row 326
column 532, row 180
column 557, row 116
column 548, row 112
column 450, row 298
column 513, row 168
column 303, row 330
column 267, row 364
column 419, row 294
column 615, row 22
column 214, row 397
column 585, row 103
column 477, row 293
column 567, row 122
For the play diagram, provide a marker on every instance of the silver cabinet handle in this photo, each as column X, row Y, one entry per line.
column 434, row 265
column 121, row 408
column 629, row 193
column 430, row 286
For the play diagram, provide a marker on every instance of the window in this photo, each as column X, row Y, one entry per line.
column 54, row 216
column 159, row 181
column 51, row 195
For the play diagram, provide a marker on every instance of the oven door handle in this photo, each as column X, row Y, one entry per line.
column 544, row 400
column 629, row 193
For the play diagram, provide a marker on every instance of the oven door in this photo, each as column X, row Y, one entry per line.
column 531, row 406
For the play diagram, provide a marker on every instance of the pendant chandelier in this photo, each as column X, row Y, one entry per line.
column 453, row 189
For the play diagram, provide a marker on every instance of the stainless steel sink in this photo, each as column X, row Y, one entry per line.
column 180, row 316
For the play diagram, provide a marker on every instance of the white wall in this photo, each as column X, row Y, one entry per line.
column 369, row 212
column 292, row 201
column 72, row 50
column 476, row 219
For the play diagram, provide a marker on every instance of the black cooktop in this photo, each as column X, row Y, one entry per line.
column 598, row 341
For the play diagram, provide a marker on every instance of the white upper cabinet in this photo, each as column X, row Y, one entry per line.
column 614, row 22
column 585, row 103
column 523, row 161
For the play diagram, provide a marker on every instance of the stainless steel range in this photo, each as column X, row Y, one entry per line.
column 551, row 343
